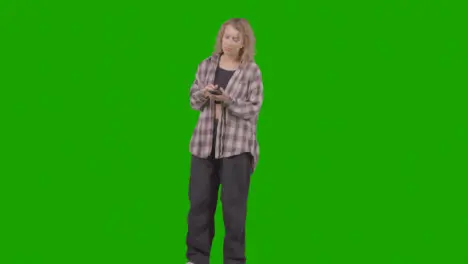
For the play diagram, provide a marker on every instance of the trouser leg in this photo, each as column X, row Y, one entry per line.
column 235, row 180
column 203, row 195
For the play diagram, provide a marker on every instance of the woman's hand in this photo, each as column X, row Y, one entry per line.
column 208, row 88
column 222, row 97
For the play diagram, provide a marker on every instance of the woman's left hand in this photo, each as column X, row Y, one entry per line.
column 222, row 97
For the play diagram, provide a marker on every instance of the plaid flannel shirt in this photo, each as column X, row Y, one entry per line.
column 237, row 127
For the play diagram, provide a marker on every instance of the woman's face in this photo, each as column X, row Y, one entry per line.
column 232, row 41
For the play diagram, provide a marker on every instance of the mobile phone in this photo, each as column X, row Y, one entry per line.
column 215, row 92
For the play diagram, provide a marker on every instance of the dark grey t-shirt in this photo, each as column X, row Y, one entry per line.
column 222, row 77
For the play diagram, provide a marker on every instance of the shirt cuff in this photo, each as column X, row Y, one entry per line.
column 228, row 102
column 200, row 95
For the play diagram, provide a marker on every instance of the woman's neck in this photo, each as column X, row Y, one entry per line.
column 230, row 59
column 228, row 63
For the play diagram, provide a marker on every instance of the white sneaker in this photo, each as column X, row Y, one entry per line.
column 190, row 263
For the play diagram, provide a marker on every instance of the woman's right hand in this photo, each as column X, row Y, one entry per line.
column 208, row 88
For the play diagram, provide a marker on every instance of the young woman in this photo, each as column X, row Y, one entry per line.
column 228, row 93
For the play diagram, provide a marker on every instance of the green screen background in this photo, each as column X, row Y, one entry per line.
column 362, row 133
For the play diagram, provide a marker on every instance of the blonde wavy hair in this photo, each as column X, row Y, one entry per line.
column 247, row 52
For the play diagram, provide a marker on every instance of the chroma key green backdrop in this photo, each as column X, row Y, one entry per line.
column 362, row 133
